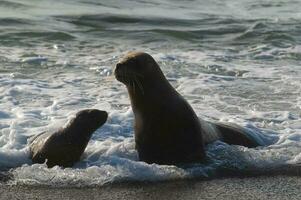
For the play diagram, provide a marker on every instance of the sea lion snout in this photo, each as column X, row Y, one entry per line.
column 118, row 71
column 123, row 72
column 117, row 68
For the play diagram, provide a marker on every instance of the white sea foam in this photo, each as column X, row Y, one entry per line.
column 33, row 104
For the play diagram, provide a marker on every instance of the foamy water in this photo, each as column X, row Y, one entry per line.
column 238, row 64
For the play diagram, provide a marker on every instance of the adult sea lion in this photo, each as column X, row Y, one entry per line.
column 65, row 146
column 167, row 130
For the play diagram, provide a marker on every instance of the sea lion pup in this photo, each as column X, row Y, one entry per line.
column 167, row 130
column 65, row 146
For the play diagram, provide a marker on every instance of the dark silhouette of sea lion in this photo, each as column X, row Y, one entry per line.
column 65, row 146
column 167, row 130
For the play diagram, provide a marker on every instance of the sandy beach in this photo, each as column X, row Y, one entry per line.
column 278, row 187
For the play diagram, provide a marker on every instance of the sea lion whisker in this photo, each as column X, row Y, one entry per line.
column 134, row 82
column 131, row 74
column 135, row 74
column 123, row 75
column 133, row 85
column 139, row 85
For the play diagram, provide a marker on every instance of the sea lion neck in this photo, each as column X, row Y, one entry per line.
column 79, row 131
column 154, row 93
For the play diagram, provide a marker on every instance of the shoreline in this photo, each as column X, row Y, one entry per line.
column 270, row 187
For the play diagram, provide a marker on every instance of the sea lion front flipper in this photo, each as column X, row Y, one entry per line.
column 34, row 137
column 35, row 143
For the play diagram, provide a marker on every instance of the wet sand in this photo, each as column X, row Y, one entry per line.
column 277, row 187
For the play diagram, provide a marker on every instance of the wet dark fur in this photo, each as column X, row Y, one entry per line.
column 167, row 130
column 65, row 146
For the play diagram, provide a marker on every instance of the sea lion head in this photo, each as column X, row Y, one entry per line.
column 89, row 120
column 137, row 68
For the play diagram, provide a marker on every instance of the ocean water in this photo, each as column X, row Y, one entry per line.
column 234, row 61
